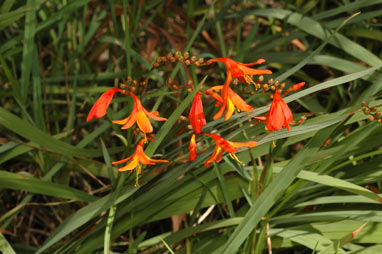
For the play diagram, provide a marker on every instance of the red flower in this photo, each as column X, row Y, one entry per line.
column 136, row 158
column 99, row 108
column 139, row 115
column 294, row 88
column 241, row 70
column 233, row 99
column 223, row 145
column 192, row 148
column 196, row 115
column 279, row 115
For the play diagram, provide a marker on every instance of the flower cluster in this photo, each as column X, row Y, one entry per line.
column 227, row 100
column 278, row 116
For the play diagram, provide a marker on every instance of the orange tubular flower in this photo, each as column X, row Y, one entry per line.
column 223, row 145
column 241, row 70
column 139, row 115
column 233, row 99
column 99, row 108
column 138, row 156
column 279, row 115
column 196, row 115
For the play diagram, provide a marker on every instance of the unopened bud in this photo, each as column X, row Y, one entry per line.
column 201, row 60
column 187, row 62
column 364, row 104
column 261, row 78
column 373, row 109
column 371, row 118
column 270, row 81
column 189, row 90
column 186, row 55
column 379, row 120
column 377, row 114
column 366, row 111
column 193, row 58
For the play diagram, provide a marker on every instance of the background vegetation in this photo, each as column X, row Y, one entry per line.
column 59, row 192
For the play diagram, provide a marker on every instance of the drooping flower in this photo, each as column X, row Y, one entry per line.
column 100, row 106
column 241, row 71
column 136, row 159
column 279, row 115
column 140, row 115
column 196, row 115
column 233, row 100
column 192, row 148
column 223, row 145
column 294, row 88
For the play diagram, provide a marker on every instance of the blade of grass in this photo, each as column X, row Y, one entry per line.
column 5, row 247
column 29, row 33
column 18, row 182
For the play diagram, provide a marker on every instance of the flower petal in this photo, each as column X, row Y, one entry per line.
column 100, row 106
column 192, row 148
column 230, row 109
column 143, row 122
column 216, row 154
column 239, row 102
column 243, row 144
column 121, row 161
column 131, row 165
column 250, row 71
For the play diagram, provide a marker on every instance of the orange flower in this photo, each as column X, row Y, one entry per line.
column 196, row 115
column 139, row 115
column 138, row 157
column 192, row 148
column 279, row 115
column 294, row 88
column 241, row 70
column 233, row 99
column 223, row 145
column 99, row 108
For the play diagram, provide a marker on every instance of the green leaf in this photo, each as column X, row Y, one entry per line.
column 5, row 247
column 17, row 182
